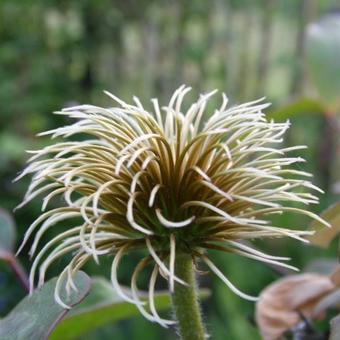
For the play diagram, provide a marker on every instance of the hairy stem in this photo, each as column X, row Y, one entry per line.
column 185, row 301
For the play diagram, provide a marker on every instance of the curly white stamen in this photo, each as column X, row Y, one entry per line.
column 162, row 183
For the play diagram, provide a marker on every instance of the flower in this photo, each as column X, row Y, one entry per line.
column 163, row 185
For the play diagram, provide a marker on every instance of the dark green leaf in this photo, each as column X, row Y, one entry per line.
column 102, row 306
column 7, row 232
column 37, row 315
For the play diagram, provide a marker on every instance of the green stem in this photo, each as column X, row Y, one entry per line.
column 185, row 301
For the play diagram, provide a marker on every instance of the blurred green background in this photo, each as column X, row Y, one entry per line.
column 58, row 53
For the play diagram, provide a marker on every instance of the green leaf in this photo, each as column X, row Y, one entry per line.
column 323, row 235
column 302, row 106
column 12, row 147
column 335, row 328
column 36, row 315
column 322, row 56
column 102, row 306
column 7, row 233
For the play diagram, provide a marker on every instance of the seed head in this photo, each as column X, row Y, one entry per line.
column 161, row 184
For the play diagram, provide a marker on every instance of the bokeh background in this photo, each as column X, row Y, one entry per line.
column 58, row 53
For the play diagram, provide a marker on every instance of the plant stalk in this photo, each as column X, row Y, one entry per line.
column 16, row 267
column 185, row 301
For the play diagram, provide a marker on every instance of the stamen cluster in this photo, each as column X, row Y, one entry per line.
column 161, row 184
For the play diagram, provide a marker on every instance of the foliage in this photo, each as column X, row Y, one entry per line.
column 57, row 53
column 102, row 306
column 7, row 233
column 36, row 315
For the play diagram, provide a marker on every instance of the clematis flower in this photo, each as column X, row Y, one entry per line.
column 162, row 183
